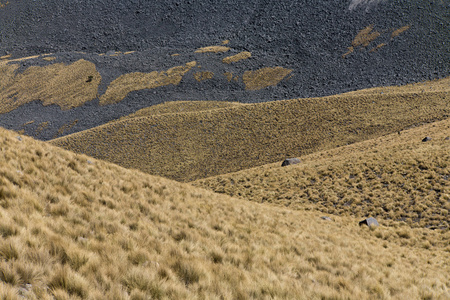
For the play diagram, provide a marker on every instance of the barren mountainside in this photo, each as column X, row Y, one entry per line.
column 90, row 62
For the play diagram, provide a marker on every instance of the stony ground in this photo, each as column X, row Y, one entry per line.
column 331, row 46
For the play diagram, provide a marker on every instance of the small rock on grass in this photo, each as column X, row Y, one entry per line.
column 369, row 222
column 426, row 139
column 290, row 161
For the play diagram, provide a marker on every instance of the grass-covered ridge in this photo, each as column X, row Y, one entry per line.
column 72, row 226
column 393, row 178
column 201, row 144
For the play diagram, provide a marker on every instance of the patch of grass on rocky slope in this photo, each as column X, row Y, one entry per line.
column 72, row 227
column 199, row 144
column 393, row 178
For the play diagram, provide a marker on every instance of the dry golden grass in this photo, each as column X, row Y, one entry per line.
column 65, row 128
column 72, row 227
column 64, row 85
column 399, row 31
column 367, row 36
column 5, row 56
column 212, row 49
column 228, row 75
column 120, row 87
column 49, row 58
column 201, row 144
column 179, row 107
column 3, row 4
column 237, row 57
column 201, row 76
column 265, row 77
column 378, row 47
column 393, row 178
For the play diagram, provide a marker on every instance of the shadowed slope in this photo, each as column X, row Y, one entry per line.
column 72, row 226
column 189, row 146
column 394, row 178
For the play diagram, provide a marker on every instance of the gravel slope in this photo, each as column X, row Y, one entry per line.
column 309, row 37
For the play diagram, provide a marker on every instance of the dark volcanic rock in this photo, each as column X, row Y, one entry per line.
column 369, row 222
column 290, row 161
column 399, row 42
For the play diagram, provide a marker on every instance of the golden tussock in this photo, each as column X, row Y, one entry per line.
column 265, row 77
column 73, row 227
column 120, row 87
column 237, row 57
column 64, row 85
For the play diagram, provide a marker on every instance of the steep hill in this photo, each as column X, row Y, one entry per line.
column 72, row 227
column 98, row 61
column 199, row 144
column 395, row 177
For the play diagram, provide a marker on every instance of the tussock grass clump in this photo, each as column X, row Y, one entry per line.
column 130, row 235
column 64, row 85
column 198, row 144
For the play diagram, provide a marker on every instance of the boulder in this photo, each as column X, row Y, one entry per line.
column 326, row 218
column 369, row 222
column 290, row 161
column 426, row 139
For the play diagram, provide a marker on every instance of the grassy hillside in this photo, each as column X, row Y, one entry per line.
column 199, row 144
column 395, row 178
column 72, row 227
column 179, row 107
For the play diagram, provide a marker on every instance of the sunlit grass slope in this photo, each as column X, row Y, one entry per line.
column 72, row 227
column 179, row 107
column 199, row 144
column 394, row 178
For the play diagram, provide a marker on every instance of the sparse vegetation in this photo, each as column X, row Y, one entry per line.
column 212, row 49
column 74, row 229
column 235, row 58
column 201, row 76
column 265, row 77
column 120, row 87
